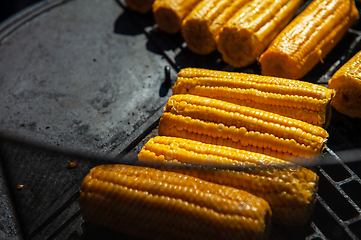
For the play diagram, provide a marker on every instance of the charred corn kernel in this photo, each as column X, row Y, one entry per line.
column 251, row 29
column 308, row 38
column 290, row 190
column 310, row 139
column 291, row 98
column 141, row 6
column 169, row 14
column 154, row 204
column 347, row 83
column 203, row 23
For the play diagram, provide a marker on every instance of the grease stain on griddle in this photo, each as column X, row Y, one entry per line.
column 105, row 96
column 116, row 140
column 30, row 88
column 82, row 129
column 29, row 126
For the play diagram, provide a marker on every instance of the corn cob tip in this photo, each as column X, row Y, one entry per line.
column 237, row 46
column 279, row 65
column 346, row 82
column 251, row 29
column 198, row 38
column 203, row 24
column 169, row 14
column 167, row 20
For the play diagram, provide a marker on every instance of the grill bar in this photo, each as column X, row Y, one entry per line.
column 317, row 234
column 338, row 185
column 343, row 224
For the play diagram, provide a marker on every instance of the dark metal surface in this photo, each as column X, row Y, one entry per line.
column 84, row 81
column 73, row 81
column 78, row 80
column 9, row 225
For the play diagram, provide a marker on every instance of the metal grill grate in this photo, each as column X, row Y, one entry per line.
column 350, row 224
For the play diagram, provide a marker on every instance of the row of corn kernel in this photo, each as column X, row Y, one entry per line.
column 206, row 136
column 291, row 98
column 290, row 190
column 154, row 204
column 218, row 122
column 205, row 132
column 241, row 30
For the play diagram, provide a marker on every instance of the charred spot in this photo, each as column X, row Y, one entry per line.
column 83, row 129
column 345, row 97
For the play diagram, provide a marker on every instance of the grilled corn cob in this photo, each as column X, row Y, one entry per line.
column 141, row 6
column 218, row 122
column 169, row 14
column 347, row 83
column 203, row 23
column 251, row 29
column 308, row 38
column 290, row 190
column 291, row 98
column 154, row 204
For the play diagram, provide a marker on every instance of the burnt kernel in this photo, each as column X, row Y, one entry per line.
column 72, row 164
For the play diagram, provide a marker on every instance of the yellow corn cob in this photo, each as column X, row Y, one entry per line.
column 291, row 98
column 290, row 190
column 218, row 122
column 308, row 38
column 347, row 83
column 154, row 204
column 169, row 14
column 251, row 29
column 141, row 6
column 203, row 23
